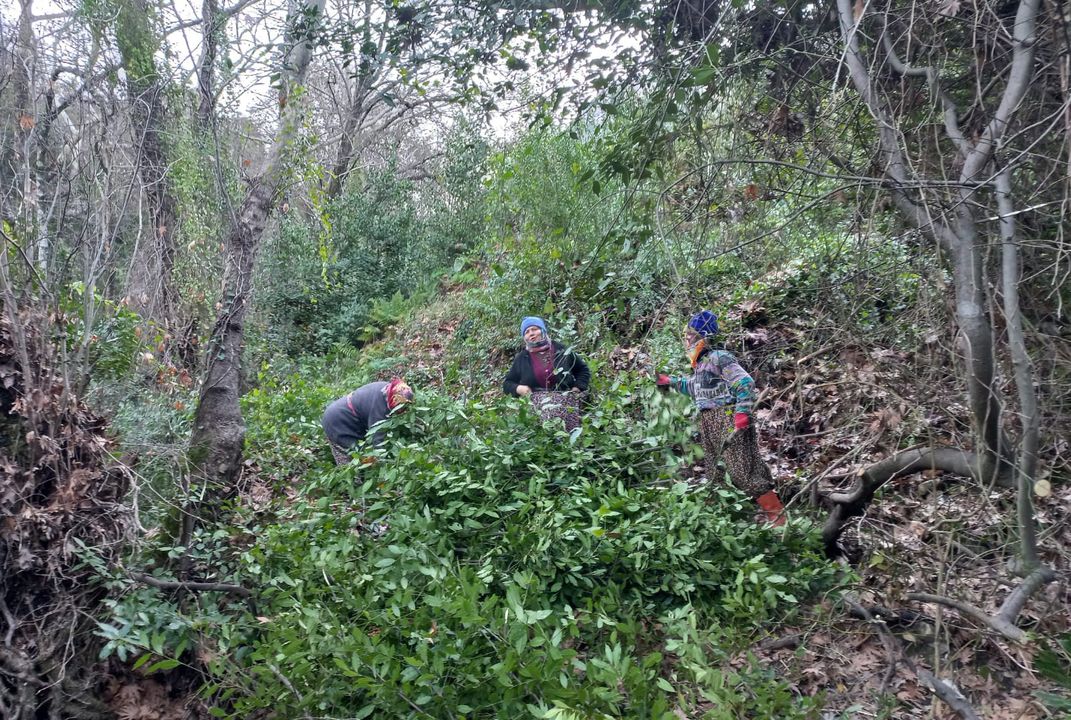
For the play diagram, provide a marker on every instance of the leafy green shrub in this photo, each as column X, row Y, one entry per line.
column 334, row 280
column 546, row 221
column 114, row 336
column 750, row 692
column 523, row 572
column 387, row 312
column 319, row 287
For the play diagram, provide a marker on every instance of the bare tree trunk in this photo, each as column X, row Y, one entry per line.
column 970, row 281
column 357, row 110
column 344, row 156
column 959, row 235
column 976, row 331
column 155, row 294
column 1026, row 465
column 218, row 429
column 218, row 432
column 24, row 63
column 966, row 248
column 960, row 238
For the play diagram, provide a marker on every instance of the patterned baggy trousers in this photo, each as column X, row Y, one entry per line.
column 342, row 456
column 553, row 405
column 739, row 450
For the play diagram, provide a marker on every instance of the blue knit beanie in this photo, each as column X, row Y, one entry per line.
column 530, row 321
column 705, row 323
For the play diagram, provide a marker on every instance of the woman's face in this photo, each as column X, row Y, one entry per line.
column 691, row 337
column 533, row 334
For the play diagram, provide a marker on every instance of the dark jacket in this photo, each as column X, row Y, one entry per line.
column 347, row 420
column 569, row 372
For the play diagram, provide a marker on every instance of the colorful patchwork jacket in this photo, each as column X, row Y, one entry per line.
column 718, row 382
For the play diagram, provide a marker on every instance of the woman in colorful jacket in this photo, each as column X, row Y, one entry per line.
column 725, row 395
column 347, row 421
column 549, row 374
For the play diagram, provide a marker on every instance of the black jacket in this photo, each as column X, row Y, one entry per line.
column 569, row 372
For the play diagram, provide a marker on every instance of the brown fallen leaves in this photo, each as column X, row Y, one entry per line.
column 60, row 489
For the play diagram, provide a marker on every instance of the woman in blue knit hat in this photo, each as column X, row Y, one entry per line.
column 725, row 395
column 551, row 375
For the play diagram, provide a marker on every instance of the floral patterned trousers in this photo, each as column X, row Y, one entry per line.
column 553, row 405
column 342, row 455
column 739, row 449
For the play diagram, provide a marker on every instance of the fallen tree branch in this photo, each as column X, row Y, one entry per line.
column 191, row 585
column 1004, row 621
column 853, row 503
column 1006, row 629
column 780, row 643
column 944, row 690
column 907, row 462
column 948, row 693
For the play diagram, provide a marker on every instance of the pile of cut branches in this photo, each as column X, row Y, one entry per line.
column 60, row 491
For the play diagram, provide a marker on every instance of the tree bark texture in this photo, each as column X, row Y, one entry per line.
column 1026, row 463
column 958, row 232
column 206, row 70
column 153, row 291
column 218, row 429
column 344, row 156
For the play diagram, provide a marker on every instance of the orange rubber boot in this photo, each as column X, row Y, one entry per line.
column 772, row 507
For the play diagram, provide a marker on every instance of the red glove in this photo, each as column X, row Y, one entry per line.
column 741, row 421
column 662, row 381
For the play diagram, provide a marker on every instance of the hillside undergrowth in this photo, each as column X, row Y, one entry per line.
column 489, row 566
column 521, row 570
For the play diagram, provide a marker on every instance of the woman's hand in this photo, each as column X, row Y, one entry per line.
column 523, row 390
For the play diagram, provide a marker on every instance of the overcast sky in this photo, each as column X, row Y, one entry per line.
column 252, row 33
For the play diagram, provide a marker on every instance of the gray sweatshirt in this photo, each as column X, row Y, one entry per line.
column 348, row 427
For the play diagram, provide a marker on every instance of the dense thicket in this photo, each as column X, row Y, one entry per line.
column 214, row 226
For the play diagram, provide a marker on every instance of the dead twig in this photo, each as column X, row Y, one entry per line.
column 780, row 643
column 887, row 640
column 943, row 689
column 1004, row 621
column 286, row 682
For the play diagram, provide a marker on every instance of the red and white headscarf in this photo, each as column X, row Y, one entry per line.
column 398, row 393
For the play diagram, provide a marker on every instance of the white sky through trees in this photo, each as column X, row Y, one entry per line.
column 246, row 59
